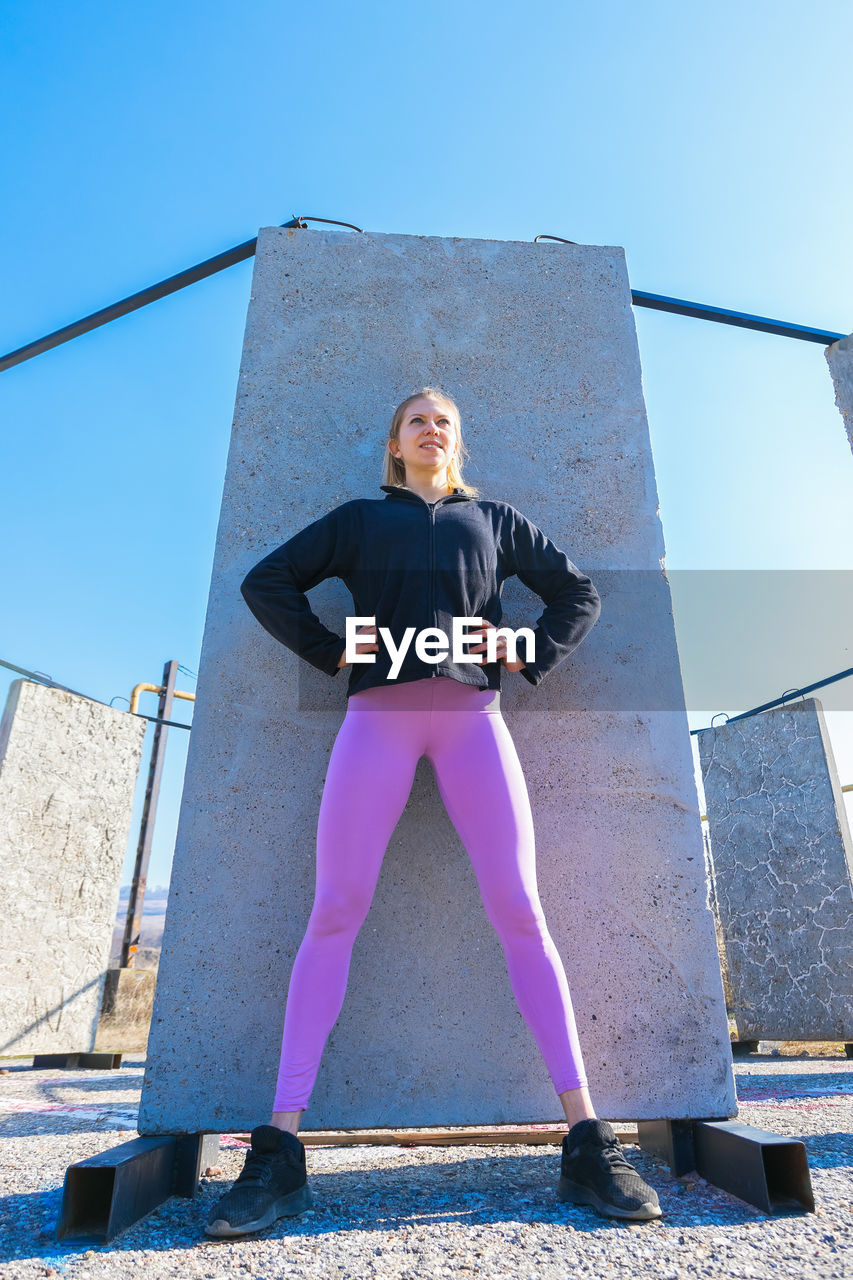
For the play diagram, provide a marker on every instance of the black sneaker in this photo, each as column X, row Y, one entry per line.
column 273, row 1184
column 594, row 1171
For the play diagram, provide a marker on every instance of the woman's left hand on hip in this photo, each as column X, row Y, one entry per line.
column 501, row 655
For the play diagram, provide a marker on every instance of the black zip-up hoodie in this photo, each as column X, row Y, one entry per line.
column 412, row 563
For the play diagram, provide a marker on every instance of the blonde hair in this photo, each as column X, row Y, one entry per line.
column 394, row 471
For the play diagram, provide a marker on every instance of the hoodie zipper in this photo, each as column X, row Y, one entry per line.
column 432, row 571
column 430, row 506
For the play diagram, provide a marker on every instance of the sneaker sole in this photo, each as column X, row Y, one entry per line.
column 285, row 1207
column 577, row 1194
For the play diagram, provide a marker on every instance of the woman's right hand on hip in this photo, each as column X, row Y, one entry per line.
column 366, row 641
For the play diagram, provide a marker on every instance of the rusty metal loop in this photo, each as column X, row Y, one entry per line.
column 560, row 238
column 302, row 222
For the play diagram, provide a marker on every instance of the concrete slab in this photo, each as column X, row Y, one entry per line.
column 537, row 343
column 68, row 770
column 782, row 859
column 839, row 357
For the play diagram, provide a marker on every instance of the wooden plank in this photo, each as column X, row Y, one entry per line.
column 532, row 1135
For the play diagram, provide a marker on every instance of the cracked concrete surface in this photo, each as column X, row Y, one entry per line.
column 68, row 769
column 782, row 859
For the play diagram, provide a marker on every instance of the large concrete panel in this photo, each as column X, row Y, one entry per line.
column 68, row 770
column 839, row 357
column 783, row 860
column 537, row 343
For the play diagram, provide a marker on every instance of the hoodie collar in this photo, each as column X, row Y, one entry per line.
column 400, row 491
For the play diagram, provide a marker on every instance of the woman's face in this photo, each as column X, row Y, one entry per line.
column 427, row 439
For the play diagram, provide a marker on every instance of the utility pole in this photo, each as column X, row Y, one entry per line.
column 133, row 922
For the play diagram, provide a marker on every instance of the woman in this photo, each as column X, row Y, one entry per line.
column 427, row 554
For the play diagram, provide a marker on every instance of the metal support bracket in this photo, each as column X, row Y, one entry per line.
column 764, row 1169
column 109, row 1192
column 742, row 1048
column 89, row 1061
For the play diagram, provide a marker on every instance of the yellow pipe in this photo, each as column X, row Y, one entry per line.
column 155, row 688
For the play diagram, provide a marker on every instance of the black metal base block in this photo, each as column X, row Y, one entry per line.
column 89, row 1061
column 109, row 1192
column 740, row 1048
column 764, row 1169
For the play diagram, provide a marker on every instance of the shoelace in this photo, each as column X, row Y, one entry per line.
column 611, row 1152
column 615, row 1156
column 257, row 1169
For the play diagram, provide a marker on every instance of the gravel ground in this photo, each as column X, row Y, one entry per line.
column 403, row 1212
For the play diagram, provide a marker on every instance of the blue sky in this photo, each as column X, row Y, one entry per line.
column 708, row 142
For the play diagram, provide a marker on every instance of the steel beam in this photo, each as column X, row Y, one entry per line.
column 109, row 1192
column 743, row 319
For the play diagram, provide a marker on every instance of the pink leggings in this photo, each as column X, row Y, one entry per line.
column 384, row 733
